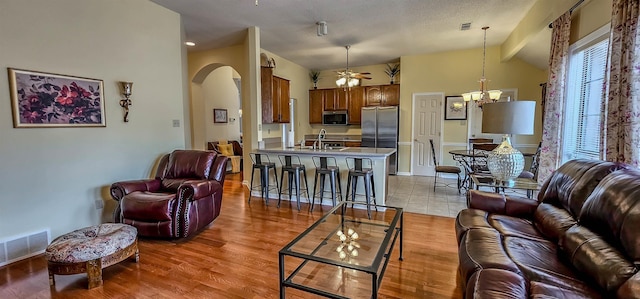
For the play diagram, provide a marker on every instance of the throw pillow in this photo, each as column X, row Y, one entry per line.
column 226, row 149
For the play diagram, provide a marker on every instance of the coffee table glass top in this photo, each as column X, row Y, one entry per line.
column 519, row 183
column 345, row 236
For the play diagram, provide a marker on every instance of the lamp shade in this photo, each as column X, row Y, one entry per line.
column 516, row 117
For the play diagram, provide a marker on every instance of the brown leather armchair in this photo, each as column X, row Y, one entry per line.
column 184, row 196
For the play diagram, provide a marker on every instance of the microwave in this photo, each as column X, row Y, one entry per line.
column 334, row 117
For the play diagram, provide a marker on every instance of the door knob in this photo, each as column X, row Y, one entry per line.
column 415, row 139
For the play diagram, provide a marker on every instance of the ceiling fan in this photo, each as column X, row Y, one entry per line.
column 349, row 78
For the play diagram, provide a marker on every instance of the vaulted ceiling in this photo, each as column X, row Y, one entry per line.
column 379, row 31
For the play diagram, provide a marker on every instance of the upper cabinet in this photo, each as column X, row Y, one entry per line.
column 373, row 95
column 316, row 105
column 352, row 100
column 275, row 97
column 356, row 100
column 335, row 99
column 391, row 95
column 382, row 95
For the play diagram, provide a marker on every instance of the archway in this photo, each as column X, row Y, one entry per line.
column 216, row 86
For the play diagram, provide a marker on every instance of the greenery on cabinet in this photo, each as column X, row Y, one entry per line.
column 392, row 70
column 314, row 75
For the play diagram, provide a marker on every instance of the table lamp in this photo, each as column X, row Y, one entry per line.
column 517, row 117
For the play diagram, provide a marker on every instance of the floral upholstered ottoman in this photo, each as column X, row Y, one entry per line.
column 91, row 249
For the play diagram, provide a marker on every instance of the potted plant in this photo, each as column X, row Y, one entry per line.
column 315, row 77
column 392, row 70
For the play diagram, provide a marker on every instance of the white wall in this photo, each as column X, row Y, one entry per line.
column 220, row 92
column 58, row 178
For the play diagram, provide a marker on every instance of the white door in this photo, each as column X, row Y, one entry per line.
column 427, row 124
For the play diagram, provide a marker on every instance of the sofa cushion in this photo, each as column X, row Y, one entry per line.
column 225, row 149
column 470, row 218
column 482, row 249
column 593, row 256
column 495, row 284
column 539, row 261
column 552, row 221
column 540, row 290
column 613, row 211
column 189, row 164
column 515, row 227
column 147, row 206
column 558, row 186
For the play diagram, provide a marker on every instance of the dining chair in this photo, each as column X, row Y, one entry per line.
column 443, row 168
column 480, row 153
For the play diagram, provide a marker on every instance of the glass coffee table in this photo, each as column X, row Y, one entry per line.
column 344, row 254
column 519, row 183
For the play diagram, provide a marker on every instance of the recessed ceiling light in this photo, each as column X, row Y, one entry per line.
column 190, row 44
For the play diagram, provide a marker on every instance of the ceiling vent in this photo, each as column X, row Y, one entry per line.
column 465, row 26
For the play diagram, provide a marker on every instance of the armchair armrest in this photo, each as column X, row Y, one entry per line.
column 197, row 189
column 501, row 204
column 120, row 189
column 219, row 168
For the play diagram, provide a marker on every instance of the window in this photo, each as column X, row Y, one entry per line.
column 585, row 95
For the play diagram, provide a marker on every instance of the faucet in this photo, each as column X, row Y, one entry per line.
column 321, row 136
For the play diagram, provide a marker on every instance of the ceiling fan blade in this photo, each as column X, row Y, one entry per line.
column 360, row 76
column 365, row 73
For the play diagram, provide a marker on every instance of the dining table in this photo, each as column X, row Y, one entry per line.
column 466, row 158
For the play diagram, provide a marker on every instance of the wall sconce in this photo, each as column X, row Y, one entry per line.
column 126, row 102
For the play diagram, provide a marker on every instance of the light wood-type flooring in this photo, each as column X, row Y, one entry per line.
column 237, row 257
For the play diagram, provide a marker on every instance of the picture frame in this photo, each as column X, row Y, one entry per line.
column 220, row 116
column 455, row 108
column 45, row 100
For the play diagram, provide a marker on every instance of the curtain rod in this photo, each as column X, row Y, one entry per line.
column 576, row 5
column 570, row 10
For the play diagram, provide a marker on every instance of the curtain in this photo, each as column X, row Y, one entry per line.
column 555, row 99
column 621, row 137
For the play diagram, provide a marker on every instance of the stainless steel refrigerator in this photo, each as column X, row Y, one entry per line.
column 380, row 129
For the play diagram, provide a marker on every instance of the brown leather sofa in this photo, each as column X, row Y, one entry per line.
column 580, row 239
column 184, row 196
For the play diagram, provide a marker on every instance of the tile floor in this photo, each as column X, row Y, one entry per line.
column 415, row 194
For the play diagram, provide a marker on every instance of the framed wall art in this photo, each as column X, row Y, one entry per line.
column 455, row 108
column 41, row 100
column 220, row 115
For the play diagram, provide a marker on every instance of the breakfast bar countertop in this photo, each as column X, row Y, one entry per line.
column 364, row 152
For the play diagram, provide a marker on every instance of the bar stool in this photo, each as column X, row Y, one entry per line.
column 326, row 166
column 262, row 163
column 293, row 169
column 356, row 170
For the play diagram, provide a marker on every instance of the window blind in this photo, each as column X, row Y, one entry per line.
column 585, row 94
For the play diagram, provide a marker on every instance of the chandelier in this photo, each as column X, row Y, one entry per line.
column 348, row 77
column 483, row 96
column 349, row 246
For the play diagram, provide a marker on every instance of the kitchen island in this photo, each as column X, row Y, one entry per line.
column 379, row 157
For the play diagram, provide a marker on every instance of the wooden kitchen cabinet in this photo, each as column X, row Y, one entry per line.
column 356, row 100
column 382, row 95
column 335, row 99
column 352, row 143
column 275, row 97
column 280, row 100
column 373, row 95
column 316, row 106
column 391, row 95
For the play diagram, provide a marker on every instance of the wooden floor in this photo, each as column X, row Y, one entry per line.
column 237, row 257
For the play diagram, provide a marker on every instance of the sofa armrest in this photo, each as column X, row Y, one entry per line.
column 219, row 168
column 197, row 189
column 501, row 204
column 120, row 189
